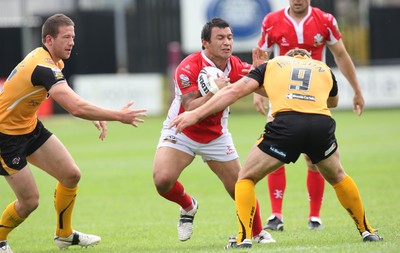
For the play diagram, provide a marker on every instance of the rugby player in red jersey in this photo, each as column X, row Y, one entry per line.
column 209, row 138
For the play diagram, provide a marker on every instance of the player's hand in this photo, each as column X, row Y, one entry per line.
column 358, row 104
column 259, row 57
column 260, row 103
column 102, row 126
column 130, row 116
column 183, row 120
column 220, row 82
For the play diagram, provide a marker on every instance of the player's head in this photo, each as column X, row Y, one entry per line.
column 51, row 25
column 58, row 36
column 298, row 51
column 206, row 32
column 299, row 7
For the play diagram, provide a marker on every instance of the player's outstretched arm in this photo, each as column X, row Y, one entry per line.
column 132, row 117
column 222, row 99
column 81, row 108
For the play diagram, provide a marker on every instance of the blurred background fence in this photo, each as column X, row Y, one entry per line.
column 123, row 38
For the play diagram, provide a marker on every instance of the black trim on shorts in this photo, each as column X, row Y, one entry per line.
column 292, row 133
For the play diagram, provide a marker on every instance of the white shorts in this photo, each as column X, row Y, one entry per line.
column 221, row 149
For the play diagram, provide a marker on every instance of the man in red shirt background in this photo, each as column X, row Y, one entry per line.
column 300, row 25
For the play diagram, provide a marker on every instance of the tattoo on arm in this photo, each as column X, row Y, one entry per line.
column 246, row 79
column 189, row 97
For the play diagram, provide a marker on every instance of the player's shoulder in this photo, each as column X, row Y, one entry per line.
column 277, row 58
column 235, row 60
column 275, row 16
column 237, row 66
column 316, row 65
column 190, row 65
column 191, row 58
column 322, row 15
column 40, row 56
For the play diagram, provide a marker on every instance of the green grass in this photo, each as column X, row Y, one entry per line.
column 117, row 199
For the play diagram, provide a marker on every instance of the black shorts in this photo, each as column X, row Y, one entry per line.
column 293, row 133
column 15, row 148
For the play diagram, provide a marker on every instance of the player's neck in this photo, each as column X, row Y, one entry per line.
column 298, row 16
column 50, row 51
column 219, row 62
column 221, row 65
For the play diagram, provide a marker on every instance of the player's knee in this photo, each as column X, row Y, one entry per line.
column 33, row 204
column 27, row 205
column 162, row 184
column 71, row 179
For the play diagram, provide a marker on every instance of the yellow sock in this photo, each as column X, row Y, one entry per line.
column 245, row 199
column 349, row 196
column 9, row 220
column 64, row 200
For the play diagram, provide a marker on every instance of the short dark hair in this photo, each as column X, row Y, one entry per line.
column 298, row 51
column 215, row 22
column 51, row 25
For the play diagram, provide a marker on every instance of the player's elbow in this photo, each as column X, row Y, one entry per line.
column 76, row 111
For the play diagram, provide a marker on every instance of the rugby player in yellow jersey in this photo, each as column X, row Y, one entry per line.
column 23, row 138
column 301, row 90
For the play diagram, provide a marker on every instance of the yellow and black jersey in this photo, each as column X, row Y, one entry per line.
column 297, row 84
column 25, row 89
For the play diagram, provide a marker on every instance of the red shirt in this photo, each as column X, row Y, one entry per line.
column 315, row 30
column 185, row 79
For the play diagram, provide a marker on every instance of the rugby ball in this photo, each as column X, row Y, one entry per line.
column 205, row 80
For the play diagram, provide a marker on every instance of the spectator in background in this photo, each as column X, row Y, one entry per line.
column 302, row 26
column 23, row 138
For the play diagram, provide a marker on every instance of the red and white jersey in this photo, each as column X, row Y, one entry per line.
column 185, row 80
column 281, row 33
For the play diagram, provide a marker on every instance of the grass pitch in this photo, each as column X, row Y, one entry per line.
column 117, row 199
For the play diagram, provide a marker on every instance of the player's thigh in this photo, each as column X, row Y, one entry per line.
column 55, row 159
column 331, row 168
column 258, row 164
column 169, row 163
column 227, row 172
column 309, row 163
